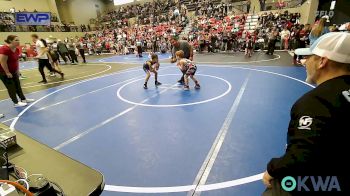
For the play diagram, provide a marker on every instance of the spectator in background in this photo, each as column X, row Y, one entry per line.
column 80, row 47
column 139, row 48
column 63, row 51
column 213, row 39
column 318, row 30
column 293, row 44
column 163, row 47
column 12, row 10
column 249, row 46
column 54, row 59
column 262, row 5
column 302, row 37
column 224, row 42
column 55, row 50
column 285, row 34
column 71, row 50
column 248, row 5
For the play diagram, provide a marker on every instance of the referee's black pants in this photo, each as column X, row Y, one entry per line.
column 139, row 51
column 82, row 54
column 271, row 47
column 73, row 56
column 45, row 63
column 64, row 55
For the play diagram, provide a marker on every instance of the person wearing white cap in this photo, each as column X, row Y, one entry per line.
column 317, row 135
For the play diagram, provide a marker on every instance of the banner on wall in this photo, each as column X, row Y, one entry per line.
column 33, row 18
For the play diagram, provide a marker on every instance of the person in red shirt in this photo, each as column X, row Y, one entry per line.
column 9, row 71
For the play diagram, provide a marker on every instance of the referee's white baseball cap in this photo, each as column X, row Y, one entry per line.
column 335, row 46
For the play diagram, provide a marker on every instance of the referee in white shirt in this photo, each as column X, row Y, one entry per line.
column 44, row 58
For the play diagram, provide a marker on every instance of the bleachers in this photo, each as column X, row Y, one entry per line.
column 192, row 7
column 251, row 23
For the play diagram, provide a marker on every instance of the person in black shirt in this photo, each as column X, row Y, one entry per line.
column 317, row 141
column 272, row 37
column 185, row 47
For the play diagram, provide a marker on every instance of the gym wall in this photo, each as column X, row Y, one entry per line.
column 80, row 11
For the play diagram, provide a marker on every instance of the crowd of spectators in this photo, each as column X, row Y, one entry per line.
column 7, row 22
column 216, row 33
column 213, row 33
column 123, row 40
column 145, row 10
column 155, row 22
column 211, row 8
column 220, row 32
column 214, row 28
column 153, row 13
